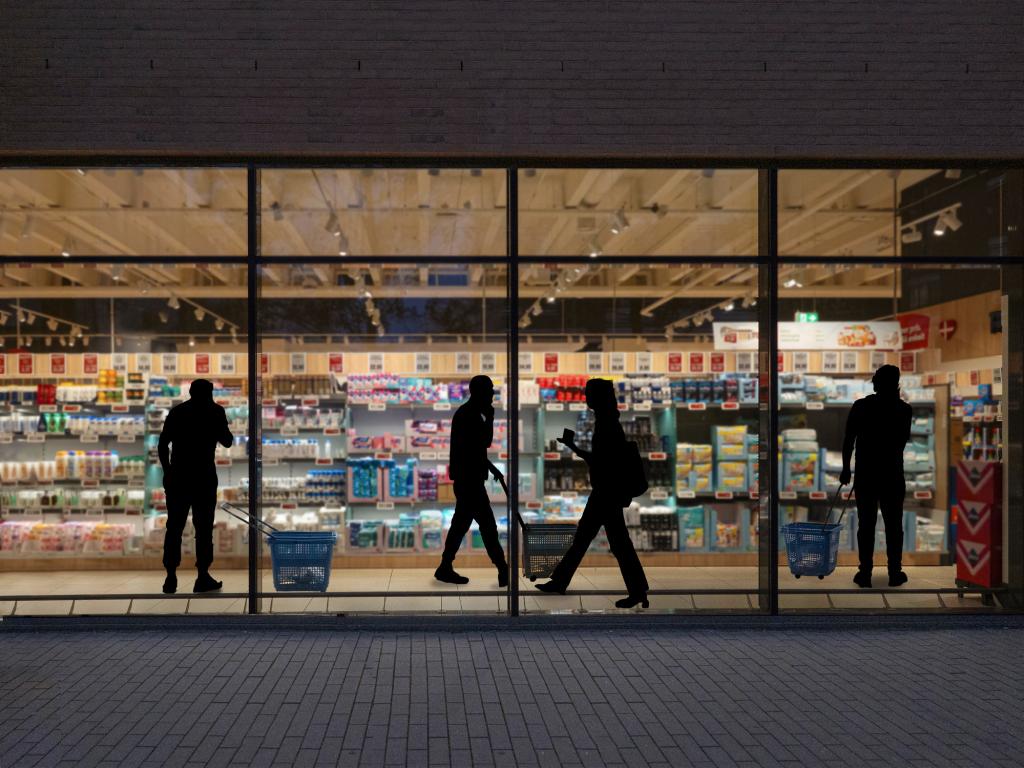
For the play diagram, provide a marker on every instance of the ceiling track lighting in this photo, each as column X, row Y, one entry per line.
column 29, row 318
column 191, row 341
column 199, row 313
column 68, row 247
column 333, row 225
column 912, row 235
column 342, row 244
column 163, row 316
column 595, row 249
column 173, row 303
column 218, row 324
column 619, row 222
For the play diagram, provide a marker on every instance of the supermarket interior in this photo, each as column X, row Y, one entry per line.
column 375, row 294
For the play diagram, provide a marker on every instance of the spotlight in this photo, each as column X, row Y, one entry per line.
column 595, row 248
column 342, row 244
column 48, row 341
column 29, row 227
column 191, row 341
column 63, row 341
column 85, row 341
column 952, row 220
column 275, row 208
column 162, row 315
column 550, row 299
column 71, row 341
column 115, row 272
column 729, row 306
column 66, row 250
column 173, row 303
column 21, row 316
column 234, row 333
column 4, row 317
column 746, row 302
column 218, row 324
column 940, row 226
column 619, row 222
column 81, row 171
column 29, row 318
column 537, row 309
column 912, row 235
column 199, row 313
column 212, row 340
column 332, row 225
column 792, row 283
column 77, row 331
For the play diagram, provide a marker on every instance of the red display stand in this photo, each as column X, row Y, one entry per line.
column 979, row 545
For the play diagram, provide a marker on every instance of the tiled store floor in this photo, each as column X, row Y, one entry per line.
column 461, row 599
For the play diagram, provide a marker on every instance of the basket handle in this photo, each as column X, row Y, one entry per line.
column 842, row 511
column 264, row 526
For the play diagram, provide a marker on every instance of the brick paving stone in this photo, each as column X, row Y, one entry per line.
column 726, row 697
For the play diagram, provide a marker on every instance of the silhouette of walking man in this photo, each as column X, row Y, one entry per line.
column 879, row 425
column 468, row 465
column 192, row 429
column 604, row 506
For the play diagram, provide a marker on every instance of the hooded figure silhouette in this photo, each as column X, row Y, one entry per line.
column 187, row 445
column 879, row 427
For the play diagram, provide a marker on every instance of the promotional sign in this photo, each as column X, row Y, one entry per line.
column 718, row 362
column 813, row 336
column 144, row 362
column 696, row 362
column 914, row 328
column 675, row 362
column 947, row 328
column 550, row 362
column 878, row 359
column 908, row 362
column 595, row 362
column 90, row 363
column 463, row 362
column 169, row 362
column 849, row 362
column 264, row 362
column 297, row 362
column 25, row 364
column 57, row 365
column 830, row 362
column 525, row 362
column 202, row 362
column 3, row 364
column 227, row 362
column 744, row 362
column 423, row 360
column 801, row 362
column 488, row 362
column 979, row 493
column 617, row 362
column 644, row 362
column 119, row 362
column 335, row 362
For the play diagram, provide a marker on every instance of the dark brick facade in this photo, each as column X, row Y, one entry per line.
column 683, row 78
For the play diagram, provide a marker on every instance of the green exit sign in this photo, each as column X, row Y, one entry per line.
column 806, row 317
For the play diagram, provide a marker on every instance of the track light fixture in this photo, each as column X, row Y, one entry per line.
column 595, row 248
column 4, row 316
column 619, row 222
column 68, row 246
column 342, row 244
column 912, row 236
column 218, row 324
column 163, row 316
column 173, row 303
column 191, row 341
column 29, row 318
column 332, row 225
column 275, row 209
column 792, row 283
column 729, row 306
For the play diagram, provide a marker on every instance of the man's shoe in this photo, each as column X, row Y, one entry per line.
column 552, row 587
column 862, row 579
column 502, row 577
column 897, row 579
column 448, row 575
column 207, row 583
column 170, row 584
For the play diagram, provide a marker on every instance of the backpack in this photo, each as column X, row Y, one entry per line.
column 634, row 477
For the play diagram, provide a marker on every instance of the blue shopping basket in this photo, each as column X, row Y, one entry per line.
column 300, row 560
column 811, row 548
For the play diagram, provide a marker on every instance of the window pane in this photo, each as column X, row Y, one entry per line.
column 632, row 212
column 383, row 212
column 948, row 329
column 365, row 366
column 690, row 407
column 123, row 212
column 93, row 357
column 946, row 213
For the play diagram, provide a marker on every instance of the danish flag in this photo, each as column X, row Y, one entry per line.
column 947, row 328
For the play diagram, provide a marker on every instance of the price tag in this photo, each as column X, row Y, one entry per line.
column 815, row 406
column 385, row 505
column 35, row 437
column 659, row 495
column 442, row 406
column 657, row 456
column 137, row 482
column 754, row 495
column 731, row 406
column 120, row 408
column 378, row 406
column 126, row 438
column 569, row 494
column 923, row 495
column 534, row 505
column 788, row 495
column 503, row 455
column 267, row 401
column 48, row 408
column 428, row 456
column 223, row 462
column 331, row 431
column 6, row 437
column 551, row 456
column 289, row 505
column 817, row 495
column 724, row 495
column 309, row 402
column 70, row 408
column 696, row 406
column 577, row 406
column 623, row 407
column 289, row 430
column 271, row 462
column 89, row 439
column 687, row 495
column 554, row 406
column 161, row 402
column 383, row 455
column 90, row 482
column 644, row 406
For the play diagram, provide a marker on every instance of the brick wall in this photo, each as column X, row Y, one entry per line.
column 743, row 78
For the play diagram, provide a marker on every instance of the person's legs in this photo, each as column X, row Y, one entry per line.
column 177, row 515
column 586, row 530
column 892, row 517
column 457, row 529
column 867, row 516
column 484, row 516
column 204, row 502
column 621, row 546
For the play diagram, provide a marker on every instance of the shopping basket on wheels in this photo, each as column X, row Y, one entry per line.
column 544, row 546
column 811, row 548
column 300, row 560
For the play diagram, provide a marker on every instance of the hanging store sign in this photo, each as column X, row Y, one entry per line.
column 335, row 362
column 202, row 362
column 550, row 362
column 675, row 362
column 57, row 363
column 227, row 362
column 914, row 328
column 25, row 365
column 90, row 363
column 885, row 334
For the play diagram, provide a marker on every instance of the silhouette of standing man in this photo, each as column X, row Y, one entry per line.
column 879, row 425
column 468, row 465
column 192, row 429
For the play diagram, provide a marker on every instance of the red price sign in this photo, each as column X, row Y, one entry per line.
column 696, row 362
column 781, row 361
column 202, row 362
column 3, row 364
column 264, row 362
column 675, row 362
column 550, row 362
column 908, row 362
column 975, row 378
column 25, row 364
column 335, row 362
column 718, row 362
column 57, row 363
column 90, row 363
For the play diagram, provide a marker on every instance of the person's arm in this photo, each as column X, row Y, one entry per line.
column 163, row 447
column 225, row 438
column 852, row 423
column 585, row 455
column 905, row 428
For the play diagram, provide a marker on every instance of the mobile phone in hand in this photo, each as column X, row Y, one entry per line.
column 568, row 435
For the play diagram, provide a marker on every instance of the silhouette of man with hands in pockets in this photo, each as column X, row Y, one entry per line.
column 468, row 465
column 879, row 426
column 191, row 431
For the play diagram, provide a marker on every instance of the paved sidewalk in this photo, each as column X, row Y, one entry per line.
column 580, row 697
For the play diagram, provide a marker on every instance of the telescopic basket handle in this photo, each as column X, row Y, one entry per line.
column 264, row 526
column 842, row 511
column 519, row 517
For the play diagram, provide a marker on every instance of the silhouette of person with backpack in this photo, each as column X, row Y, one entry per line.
column 187, row 445
column 879, row 426
column 608, row 460
column 468, row 465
